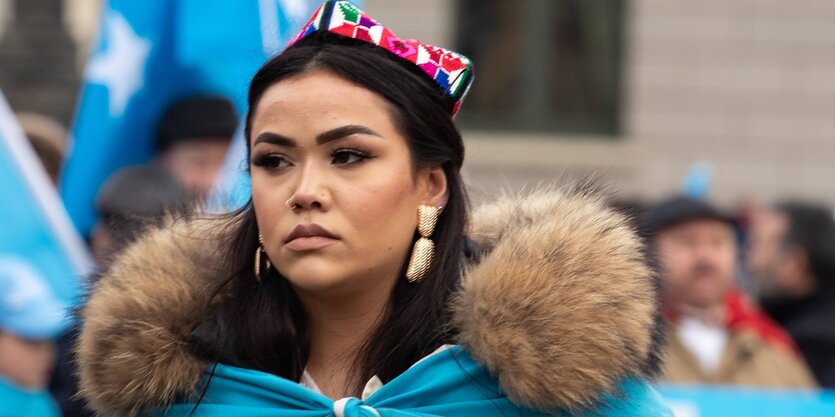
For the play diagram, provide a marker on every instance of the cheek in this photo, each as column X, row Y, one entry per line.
column 385, row 208
column 670, row 261
column 266, row 201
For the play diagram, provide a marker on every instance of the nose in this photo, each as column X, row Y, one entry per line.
column 311, row 191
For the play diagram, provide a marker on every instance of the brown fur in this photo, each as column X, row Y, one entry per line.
column 133, row 350
column 564, row 304
column 560, row 307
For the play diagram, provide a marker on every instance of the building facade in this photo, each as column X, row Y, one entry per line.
column 747, row 87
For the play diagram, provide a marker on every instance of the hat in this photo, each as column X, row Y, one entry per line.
column 451, row 71
column 676, row 210
column 28, row 307
column 197, row 118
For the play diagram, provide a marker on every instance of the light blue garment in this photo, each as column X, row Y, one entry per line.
column 448, row 383
column 17, row 402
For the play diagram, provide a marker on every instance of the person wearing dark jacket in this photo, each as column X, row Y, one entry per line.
column 791, row 255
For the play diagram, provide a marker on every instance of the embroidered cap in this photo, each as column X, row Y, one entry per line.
column 450, row 70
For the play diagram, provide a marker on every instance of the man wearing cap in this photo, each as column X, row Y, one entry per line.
column 30, row 319
column 716, row 336
column 192, row 140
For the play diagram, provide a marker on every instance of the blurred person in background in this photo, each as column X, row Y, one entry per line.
column 31, row 317
column 791, row 255
column 49, row 140
column 192, row 140
column 717, row 336
column 130, row 201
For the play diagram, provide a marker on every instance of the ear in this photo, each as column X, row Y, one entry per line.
column 432, row 182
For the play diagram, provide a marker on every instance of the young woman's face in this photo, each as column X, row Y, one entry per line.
column 331, row 148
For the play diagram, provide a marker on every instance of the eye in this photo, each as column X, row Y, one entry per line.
column 348, row 156
column 271, row 161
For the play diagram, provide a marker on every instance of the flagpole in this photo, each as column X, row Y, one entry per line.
column 38, row 181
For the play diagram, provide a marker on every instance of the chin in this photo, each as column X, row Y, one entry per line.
column 313, row 276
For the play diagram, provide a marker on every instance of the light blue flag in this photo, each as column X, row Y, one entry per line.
column 697, row 182
column 150, row 53
column 729, row 401
column 280, row 22
column 35, row 227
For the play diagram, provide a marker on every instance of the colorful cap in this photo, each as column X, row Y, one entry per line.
column 452, row 71
column 28, row 307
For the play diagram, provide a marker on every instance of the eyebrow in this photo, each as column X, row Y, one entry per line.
column 321, row 139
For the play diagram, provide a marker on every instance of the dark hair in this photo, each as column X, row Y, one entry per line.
column 812, row 228
column 137, row 198
column 264, row 323
column 196, row 118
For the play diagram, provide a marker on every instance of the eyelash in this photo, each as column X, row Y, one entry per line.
column 272, row 161
column 359, row 153
column 269, row 161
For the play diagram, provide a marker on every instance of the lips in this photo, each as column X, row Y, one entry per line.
column 306, row 237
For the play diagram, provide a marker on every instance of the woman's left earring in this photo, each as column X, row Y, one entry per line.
column 424, row 251
column 258, row 254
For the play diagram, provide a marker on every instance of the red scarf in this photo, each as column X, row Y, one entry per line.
column 742, row 314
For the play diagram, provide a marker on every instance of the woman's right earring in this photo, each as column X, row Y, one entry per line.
column 258, row 253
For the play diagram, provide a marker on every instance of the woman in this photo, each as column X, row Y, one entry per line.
column 348, row 286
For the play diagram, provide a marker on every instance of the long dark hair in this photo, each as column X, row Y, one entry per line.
column 262, row 325
column 811, row 227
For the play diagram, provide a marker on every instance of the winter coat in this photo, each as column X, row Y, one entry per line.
column 811, row 322
column 747, row 360
column 560, row 311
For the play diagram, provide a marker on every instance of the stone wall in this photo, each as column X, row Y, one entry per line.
column 38, row 71
column 746, row 84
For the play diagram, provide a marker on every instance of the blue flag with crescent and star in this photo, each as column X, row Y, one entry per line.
column 150, row 53
column 36, row 230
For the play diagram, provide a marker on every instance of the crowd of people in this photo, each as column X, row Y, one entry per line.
column 780, row 334
column 746, row 298
column 37, row 335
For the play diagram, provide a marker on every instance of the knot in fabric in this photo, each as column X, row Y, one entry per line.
column 353, row 407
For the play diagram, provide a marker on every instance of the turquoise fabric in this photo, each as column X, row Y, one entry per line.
column 448, row 383
column 17, row 402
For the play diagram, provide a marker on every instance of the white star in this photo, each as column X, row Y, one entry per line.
column 121, row 67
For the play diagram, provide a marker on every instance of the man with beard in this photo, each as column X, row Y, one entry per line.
column 791, row 254
column 716, row 335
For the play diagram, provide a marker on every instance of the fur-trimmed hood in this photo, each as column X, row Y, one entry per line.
column 561, row 307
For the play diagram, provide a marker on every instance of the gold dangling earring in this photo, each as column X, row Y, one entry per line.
column 424, row 250
column 258, row 253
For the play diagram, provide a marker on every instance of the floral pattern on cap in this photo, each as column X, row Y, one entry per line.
column 450, row 70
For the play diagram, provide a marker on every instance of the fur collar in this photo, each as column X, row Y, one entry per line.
column 561, row 306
